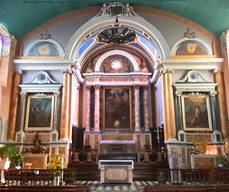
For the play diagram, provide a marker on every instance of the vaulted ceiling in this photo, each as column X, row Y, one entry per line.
column 21, row 16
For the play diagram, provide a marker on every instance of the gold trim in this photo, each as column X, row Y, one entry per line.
column 27, row 113
column 208, row 113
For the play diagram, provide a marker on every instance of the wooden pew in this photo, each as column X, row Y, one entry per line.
column 72, row 188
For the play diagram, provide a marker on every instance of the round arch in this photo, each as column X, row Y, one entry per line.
column 116, row 52
column 105, row 21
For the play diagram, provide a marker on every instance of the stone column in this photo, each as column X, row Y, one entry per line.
column 69, row 101
column 137, row 108
column 146, row 108
column 75, row 108
column 88, row 99
column 222, row 102
column 14, row 106
column 179, row 110
column 56, row 108
column 96, row 113
column 169, row 118
column 64, row 111
column 22, row 110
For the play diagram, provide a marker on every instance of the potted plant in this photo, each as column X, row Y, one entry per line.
column 10, row 152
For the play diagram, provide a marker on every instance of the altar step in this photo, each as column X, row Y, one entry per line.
column 141, row 172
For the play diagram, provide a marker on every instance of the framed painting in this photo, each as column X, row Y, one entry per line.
column 117, row 108
column 196, row 112
column 39, row 112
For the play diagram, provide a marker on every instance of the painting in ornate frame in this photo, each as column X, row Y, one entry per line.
column 196, row 112
column 39, row 112
column 117, row 108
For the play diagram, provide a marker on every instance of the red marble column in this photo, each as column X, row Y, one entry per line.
column 88, row 99
column 146, row 108
column 137, row 108
column 97, row 104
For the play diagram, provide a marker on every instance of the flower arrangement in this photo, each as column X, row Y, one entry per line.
column 56, row 163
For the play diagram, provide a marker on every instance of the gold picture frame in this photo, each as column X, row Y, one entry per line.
column 117, row 110
column 39, row 112
column 196, row 112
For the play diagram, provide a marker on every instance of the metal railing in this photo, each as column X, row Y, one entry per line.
column 52, row 177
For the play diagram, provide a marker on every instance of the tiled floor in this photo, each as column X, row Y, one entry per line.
column 95, row 186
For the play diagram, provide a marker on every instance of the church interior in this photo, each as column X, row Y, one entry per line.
column 114, row 93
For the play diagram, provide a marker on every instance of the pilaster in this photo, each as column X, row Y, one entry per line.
column 64, row 115
column 222, row 102
column 88, row 99
column 146, row 108
column 14, row 106
column 96, row 113
column 137, row 108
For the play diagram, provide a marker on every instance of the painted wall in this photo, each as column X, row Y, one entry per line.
column 172, row 30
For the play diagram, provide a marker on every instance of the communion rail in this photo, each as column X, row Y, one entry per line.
column 70, row 176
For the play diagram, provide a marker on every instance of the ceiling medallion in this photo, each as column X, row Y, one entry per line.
column 117, row 34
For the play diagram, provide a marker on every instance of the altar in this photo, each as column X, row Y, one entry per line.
column 117, row 146
column 116, row 171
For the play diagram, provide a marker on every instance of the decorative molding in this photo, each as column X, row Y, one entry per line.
column 38, row 65
column 44, row 35
column 192, row 64
column 108, row 8
column 40, row 88
column 41, row 78
column 195, row 87
column 101, row 74
column 193, row 77
column 189, row 33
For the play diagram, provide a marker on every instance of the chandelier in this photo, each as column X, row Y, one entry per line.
column 117, row 34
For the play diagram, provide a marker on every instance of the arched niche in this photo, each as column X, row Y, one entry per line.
column 105, row 21
column 190, row 46
column 125, row 54
column 44, row 47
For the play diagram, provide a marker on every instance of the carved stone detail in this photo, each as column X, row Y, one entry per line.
column 41, row 78
column 193, row 76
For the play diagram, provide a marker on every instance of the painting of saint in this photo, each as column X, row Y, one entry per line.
column 191, row 47
column 39, row 112
column 117, row 108
column 196, row 112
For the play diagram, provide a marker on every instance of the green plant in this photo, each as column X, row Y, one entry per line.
column 13, row 153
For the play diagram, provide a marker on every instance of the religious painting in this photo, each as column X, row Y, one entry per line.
column 191, row 47
column 196, row 112
column 117, row 108
column 39, row 112
column 44, row 48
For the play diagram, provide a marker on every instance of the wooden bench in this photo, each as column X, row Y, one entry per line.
column 72, row 188
column 186, row 188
